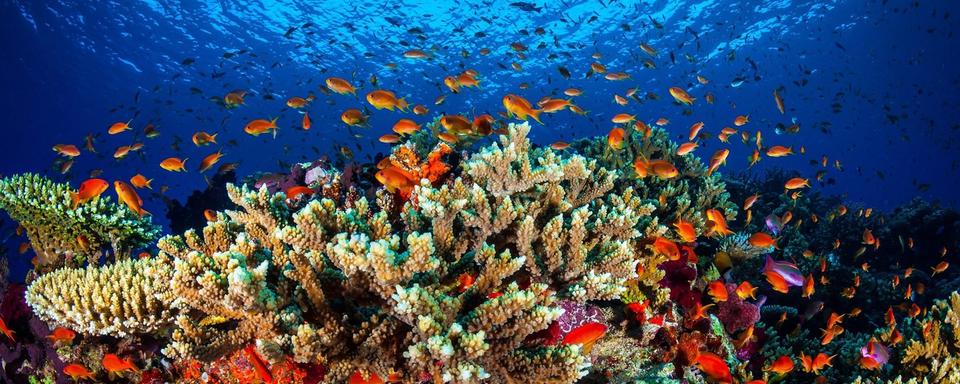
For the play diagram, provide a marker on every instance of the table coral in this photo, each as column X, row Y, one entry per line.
column 53, row 226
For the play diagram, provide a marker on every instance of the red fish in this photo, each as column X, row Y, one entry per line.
column 714, row 367
column 781, row 366
column 90, row 189
column 61, row 334
column 585, row 335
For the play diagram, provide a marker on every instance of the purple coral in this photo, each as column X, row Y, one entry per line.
column 577, row 314
column 736, row 314
column 677, row 277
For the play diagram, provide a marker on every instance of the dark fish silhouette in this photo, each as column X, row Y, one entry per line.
column 525, row 6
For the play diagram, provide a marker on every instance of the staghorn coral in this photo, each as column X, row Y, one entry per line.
column 685, row 197
column 130, row 296
column 351, row 289
column 44, row 210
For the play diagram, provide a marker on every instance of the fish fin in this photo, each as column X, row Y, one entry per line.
column 535, row 114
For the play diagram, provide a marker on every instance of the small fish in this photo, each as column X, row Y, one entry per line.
column 718, row 290
column 114, row 365
column 91, row 189
column 585, row 335
column 77, row 372
column 174, row 164
column 129, row 196
column 681, row 96
column 781, row 366
column 714, row 367
column 119, row 127
column 61, row 334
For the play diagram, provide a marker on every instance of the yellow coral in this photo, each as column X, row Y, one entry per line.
column 130, row 296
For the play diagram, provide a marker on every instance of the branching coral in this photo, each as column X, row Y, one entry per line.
column 55, row 229
column 452, row 292
column 936, row 356
column 130, row 296
column 685, row 197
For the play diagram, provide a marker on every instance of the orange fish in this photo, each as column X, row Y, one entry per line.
column 615, row 138
column 779, row 100
column 741, row 120
column 559, row 145
column 796, row 183
column 685, row 230
column 384, row 99
column 68, row 150
column 940, row 268
column 119, row 127
column 405, row 127
column 91, row 189
column 202, row 138
column 808, row 287
column 762, row 240
column 129, row 196
column 686, row 148
column 623, row 118
column 695, row 130
column 140, row 181
column 297, row 102
column 260, row 126
column 61, row 334
column 520, row 108
column 121, row 152
column 667, row 248
column 294, row 192
column 340, row 86
column 6, row 330
column 777, row 281
column 745, row 290
column 718, row 290
column 464, row 282
column 306, row 123
column 585, row 335
column 210, row 160
column 234, row 99
column 389, row 139
column 420, row 109
column 717, row 223
column 699, row 311
column 779, row 151
column 353, row 117
column 396, row 180
column 816, row 363
column 662, row 169
column 77, row 372
column 209, row 214
column 714, row 367
column 781, row 366
column 681, row 96
column 719, row 157
column 174, row 164
column 750, row 201
column 114, row 365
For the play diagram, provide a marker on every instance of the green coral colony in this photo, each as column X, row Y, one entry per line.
column 523, row 264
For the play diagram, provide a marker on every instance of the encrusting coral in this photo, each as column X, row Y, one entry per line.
column 61, row 233
column 127, row 297
column 455, row 290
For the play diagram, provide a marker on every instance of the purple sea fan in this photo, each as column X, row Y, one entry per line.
column 736, row 314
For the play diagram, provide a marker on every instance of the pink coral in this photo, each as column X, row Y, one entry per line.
column 736, row 314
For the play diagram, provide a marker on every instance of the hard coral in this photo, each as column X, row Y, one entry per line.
column 44, row 209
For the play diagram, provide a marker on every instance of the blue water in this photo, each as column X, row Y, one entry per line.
column 872, row 84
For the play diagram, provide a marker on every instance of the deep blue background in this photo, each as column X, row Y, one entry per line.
column 876, row 76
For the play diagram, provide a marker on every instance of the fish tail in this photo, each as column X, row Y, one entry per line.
column 141, row 212
column 213, row 138
column 535, row 114
column 402, row 104
column 75, row 200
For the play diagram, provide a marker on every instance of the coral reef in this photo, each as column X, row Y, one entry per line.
column 62, row 234
column 452, row 291
column 127, row 297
